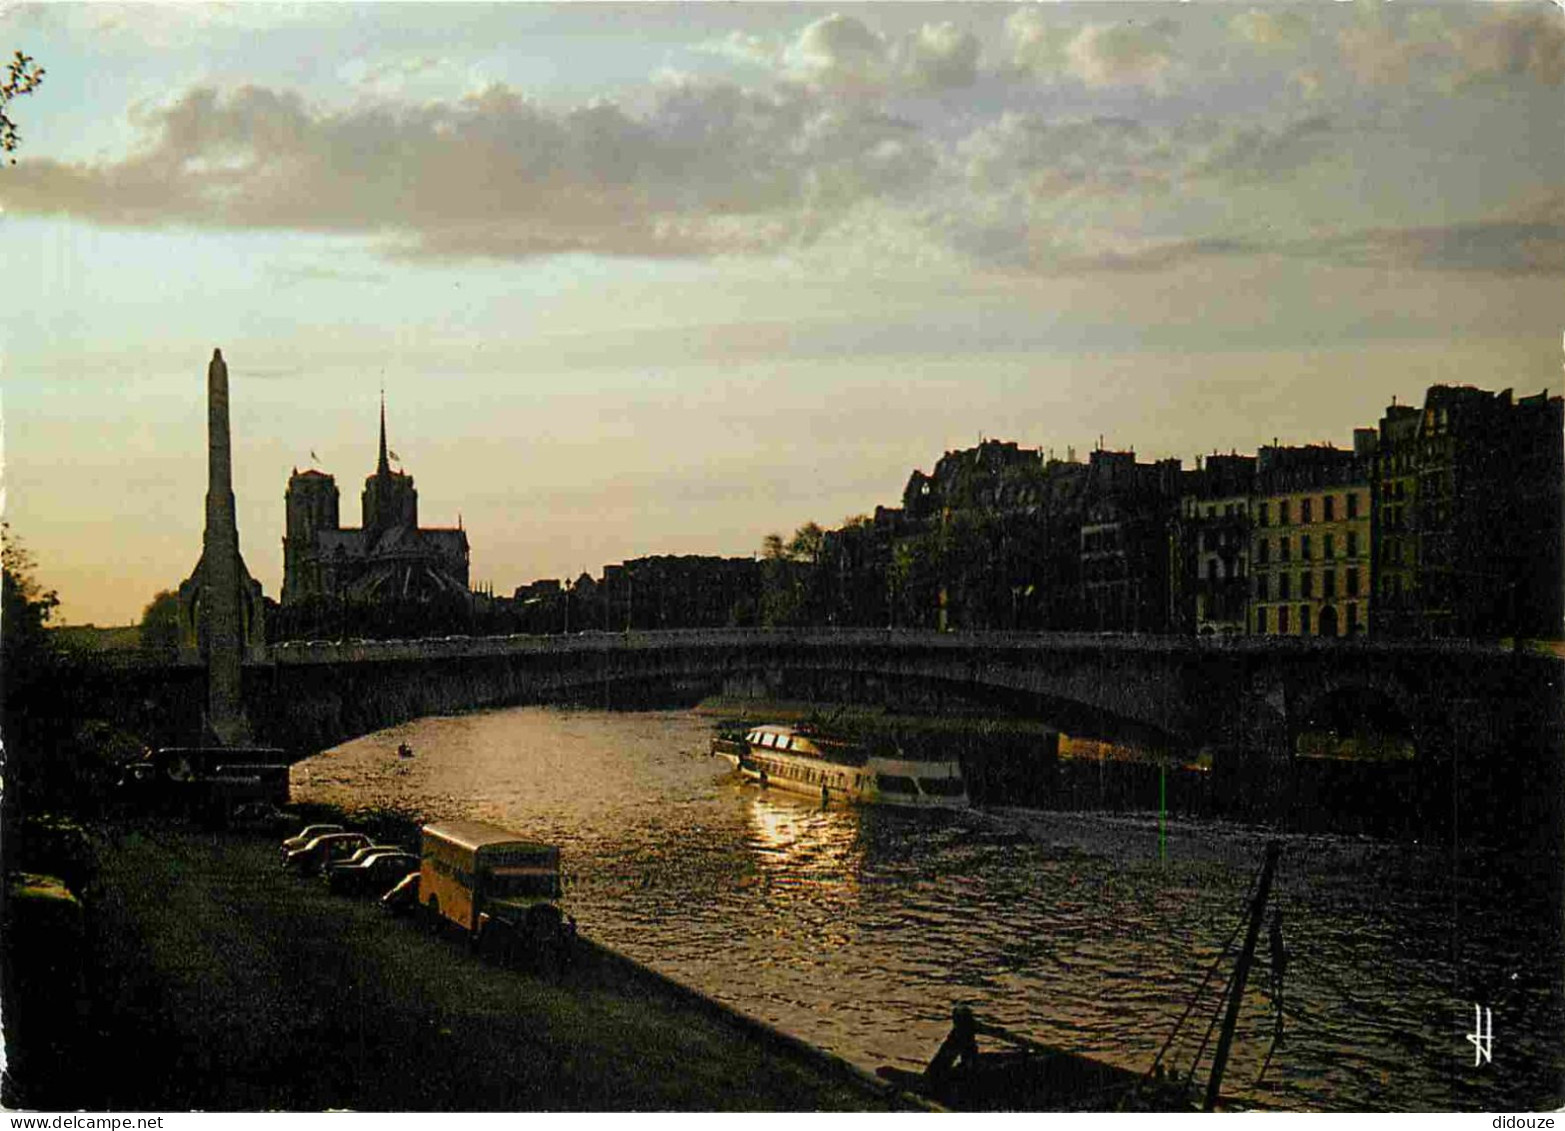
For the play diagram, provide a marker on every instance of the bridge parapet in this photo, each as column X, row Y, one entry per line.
column 1255, row 693
column 312, row 652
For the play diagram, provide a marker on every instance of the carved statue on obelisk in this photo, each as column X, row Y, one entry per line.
column 221, row 608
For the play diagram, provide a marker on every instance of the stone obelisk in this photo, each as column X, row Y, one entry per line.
column 221, row 628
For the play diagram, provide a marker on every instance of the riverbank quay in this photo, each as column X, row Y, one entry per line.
column 217, row 982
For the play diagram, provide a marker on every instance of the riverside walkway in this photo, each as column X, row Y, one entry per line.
column 216, row 982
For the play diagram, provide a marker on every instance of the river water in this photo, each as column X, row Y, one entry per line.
column 859, row 929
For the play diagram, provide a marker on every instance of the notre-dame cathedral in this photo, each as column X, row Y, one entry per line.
column 389, row 558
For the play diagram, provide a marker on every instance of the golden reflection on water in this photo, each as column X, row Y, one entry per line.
column 859, row 928
column 792, row 838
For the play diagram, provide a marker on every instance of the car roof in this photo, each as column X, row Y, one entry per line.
column 372, row 852
column 331, row 836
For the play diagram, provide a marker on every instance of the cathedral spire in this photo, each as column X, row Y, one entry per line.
column 384, row 466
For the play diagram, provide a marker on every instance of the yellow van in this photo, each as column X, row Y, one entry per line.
column 499, row 888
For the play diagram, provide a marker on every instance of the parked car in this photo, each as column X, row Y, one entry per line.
column 375, row 873
column 403, row 898
column 359, row 855
column 306, row 835
column 323, row 850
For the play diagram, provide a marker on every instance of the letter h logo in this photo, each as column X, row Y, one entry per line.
column 1482, row 1036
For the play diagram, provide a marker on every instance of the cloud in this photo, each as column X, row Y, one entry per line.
column 1271, row 29
column 1045, row 156
column 939, row 57
column 1455, row 51
column 712, row 169
column 1500, row 245
column 1125, row 54
column 744, row 47
column 842, row 54
column 1037, row 45
column 1380, row 51
column 709, row 169
column 1118, row 54
column 1109, row 155
column 1509, row 44
column 1260, row 153
column 393, row 74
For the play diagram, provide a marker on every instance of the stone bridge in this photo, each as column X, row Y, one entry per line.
column 1180, row 693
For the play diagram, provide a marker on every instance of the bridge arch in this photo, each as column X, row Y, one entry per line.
column 1371, row 708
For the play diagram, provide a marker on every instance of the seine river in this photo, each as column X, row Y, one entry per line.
column 859, row 929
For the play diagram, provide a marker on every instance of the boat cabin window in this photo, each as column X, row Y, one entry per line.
column 895, row 783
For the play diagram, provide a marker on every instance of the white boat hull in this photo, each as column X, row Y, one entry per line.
column 840, row 776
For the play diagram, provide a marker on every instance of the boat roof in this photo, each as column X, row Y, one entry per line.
column 479, row 834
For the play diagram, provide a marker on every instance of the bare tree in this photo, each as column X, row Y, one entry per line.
column 23, row 76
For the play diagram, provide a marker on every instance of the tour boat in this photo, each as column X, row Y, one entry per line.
column 804, row 760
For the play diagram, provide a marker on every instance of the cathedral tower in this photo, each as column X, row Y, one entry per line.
column 389, row 500
column 311, row 507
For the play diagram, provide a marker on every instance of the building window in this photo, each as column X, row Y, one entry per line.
column 1353, row 504
column 1306, row 510
column 1263, row 550
column 1304, row 548
column 1353, row 582
column 1353, row 616
column 1260, row 622
column 1304, row 620
column 1283, row 582
column 1265, row 515
column 1306, row 584
column 1282, row 513
column 1328, row 508
column 1328, row 584
column 1284, row 548
column 1353, row 543
column 1282, row 621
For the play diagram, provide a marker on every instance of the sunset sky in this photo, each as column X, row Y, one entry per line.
column 648, row 279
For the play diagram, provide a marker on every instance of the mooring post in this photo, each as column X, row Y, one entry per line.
column 1241, row 973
